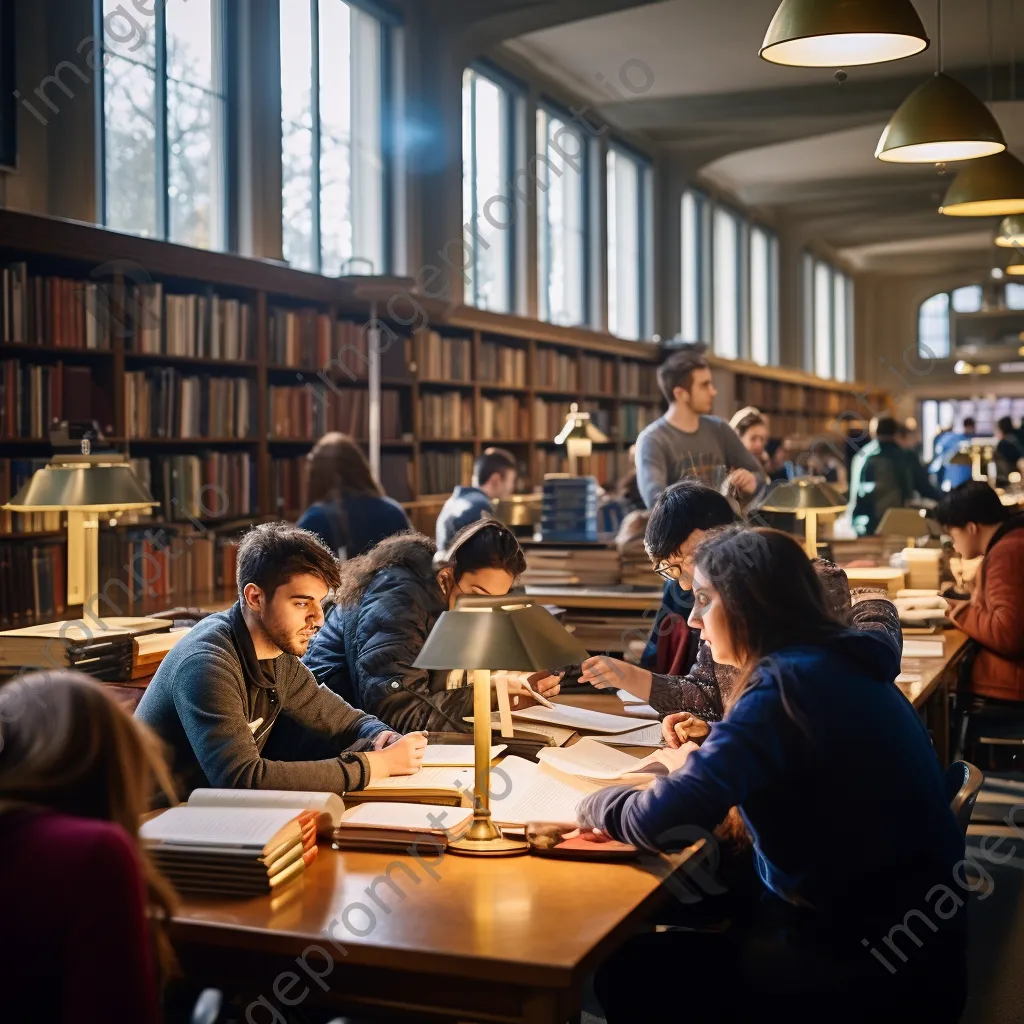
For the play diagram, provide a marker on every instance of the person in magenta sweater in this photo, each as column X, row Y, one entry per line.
column 82, row 901
column 858, row 913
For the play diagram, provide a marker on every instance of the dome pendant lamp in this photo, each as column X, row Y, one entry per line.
column 1011, row 234
column 939, row 122
column 993, row 187
column 843, row 33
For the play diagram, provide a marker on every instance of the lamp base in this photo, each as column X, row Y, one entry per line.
column 497, row 847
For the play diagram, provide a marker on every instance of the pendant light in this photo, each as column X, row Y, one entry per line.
column 843, row 33
column 993, row 187
column 1011, row 235
column 1016, row 270
column 939, row 122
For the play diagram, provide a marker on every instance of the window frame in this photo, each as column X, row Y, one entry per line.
column 388, row 23
column 740, row 227
column 772, row 282
column 701, row 203
column 222, row 13
column 549, row 108
column 810, row 263
column 645, row 239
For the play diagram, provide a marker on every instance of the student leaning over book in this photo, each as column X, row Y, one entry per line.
column 217, row 695
column 838, row 783
column 84, row 909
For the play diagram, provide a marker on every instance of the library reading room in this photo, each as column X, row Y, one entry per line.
column 502, row 501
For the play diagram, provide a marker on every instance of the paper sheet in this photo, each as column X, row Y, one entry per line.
column 457, row 755
column 211, row 826
column 578, row 718
column 645, row 736
column 589, row 759
column 522, row 791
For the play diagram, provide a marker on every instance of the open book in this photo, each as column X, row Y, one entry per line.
column 397, row 826
column 601, row 763
column 445, row 786
column 522, row 791
column 454, row 755
column 577, row 718
column 328, row 806
column 646, row 735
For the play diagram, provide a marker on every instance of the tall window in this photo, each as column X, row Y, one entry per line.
column 764, row 278
column 933, row 327
column 967, row 299
column 332, row 165
column 692, row 263
column 1013, row 295
column 488, row 112
column 842, row 321
column 164, row 112
column 561, row 220
column 823, row 321
column 828, row 319
column 628, row 231
column 726, row 285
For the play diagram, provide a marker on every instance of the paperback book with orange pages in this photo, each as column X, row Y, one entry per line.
column 397, row 826
column 239, row 842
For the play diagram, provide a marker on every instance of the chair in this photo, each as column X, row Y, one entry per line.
column 963, row 783
column 986, row 724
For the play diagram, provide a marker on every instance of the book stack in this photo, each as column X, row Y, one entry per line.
column 100, row 648
column 612, row 634
column 557, row 370
column 503, row 418
column 443, row 359
column 148, row 652
column 445, row 414
column 501, row 364
column 164, row 403
column 239, row 842
column 636, row 566
column 56, row 311
column 392, row 825
column 35, row 584
column 597, row 375
column 569, row 509
column 573, row 566
column 214, row 485
column 443, row 471
column 33, row 397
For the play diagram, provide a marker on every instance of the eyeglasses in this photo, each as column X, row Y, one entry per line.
column 671, row 572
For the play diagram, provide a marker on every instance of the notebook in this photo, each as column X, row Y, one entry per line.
column 393, row 825
column 600, row 762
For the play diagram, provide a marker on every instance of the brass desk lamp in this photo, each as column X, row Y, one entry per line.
column 807, row 497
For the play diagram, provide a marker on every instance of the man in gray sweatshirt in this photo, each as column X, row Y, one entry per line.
column 216, row 696
column 687, row 441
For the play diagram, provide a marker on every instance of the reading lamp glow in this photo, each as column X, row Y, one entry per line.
column 482, row 635
column 843, row 33
column 579, row 435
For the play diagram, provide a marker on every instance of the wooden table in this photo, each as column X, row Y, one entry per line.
column 439, row 938
column 930, row 694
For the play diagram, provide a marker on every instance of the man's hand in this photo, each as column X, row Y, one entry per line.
column 683, row 728
column 606, row 673
column 402, row 757
column 547, row 684
column 743, row 480
column 385, row 739
column 674, row 759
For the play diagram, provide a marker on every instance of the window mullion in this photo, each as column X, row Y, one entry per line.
column 163, row 218
column 315, row 118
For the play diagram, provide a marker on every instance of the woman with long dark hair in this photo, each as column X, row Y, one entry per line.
column 388, row 602
column 839, row 786
column 84, row 909
column 346, row 506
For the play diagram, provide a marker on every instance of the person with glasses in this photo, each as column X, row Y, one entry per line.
column 680, row 521
column 387, row 603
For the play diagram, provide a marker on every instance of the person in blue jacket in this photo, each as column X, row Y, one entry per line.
column 859, row 908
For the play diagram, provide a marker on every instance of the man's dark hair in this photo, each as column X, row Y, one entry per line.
column 677, row 370
column 681, row 509
column 969, row 423
column 885, row 427
column 902, row 431
column 493, row 460
column 272, row 553
column 1005, row 425
column 971, row 502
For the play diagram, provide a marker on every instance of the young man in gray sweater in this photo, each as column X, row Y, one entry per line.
column 687, row 441
column 216, row 696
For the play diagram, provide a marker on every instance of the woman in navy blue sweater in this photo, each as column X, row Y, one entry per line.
column 858, row 915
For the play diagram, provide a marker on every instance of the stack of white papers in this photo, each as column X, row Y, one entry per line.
column 599, row 762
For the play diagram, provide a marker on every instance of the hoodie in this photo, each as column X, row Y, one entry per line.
column 835, row 777
column 388, row 602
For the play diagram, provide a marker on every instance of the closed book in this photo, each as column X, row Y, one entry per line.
column 397, row 825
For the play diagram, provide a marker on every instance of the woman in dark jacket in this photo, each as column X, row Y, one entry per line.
column 388, row 602
column 346, row 507
column 858, row 914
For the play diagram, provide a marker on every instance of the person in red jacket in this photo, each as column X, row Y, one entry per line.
column 83, row 905
column 979, row 524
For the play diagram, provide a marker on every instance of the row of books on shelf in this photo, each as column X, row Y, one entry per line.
column 56, row 312
column 289, row 477
column 443, row 471
column 196, row 326
column 166, row 403
column 635, row 417
column 34, row 581
column 212, row 485
column 776, row 395
column 549, row 418
column 312, row 411
column 32, row 397
column 440, row 358
column 445, row 414
column 637, row 379
column 504, row 418
column 605, row 464
column 597, row 374
column 502, row 365
column 557, row 369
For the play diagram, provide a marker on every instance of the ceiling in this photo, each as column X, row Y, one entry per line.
column 791, row 142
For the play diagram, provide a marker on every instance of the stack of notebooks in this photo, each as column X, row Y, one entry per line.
column 612, row 633
column 149, row 650
column 569, row 509
column 572, row 566
column 102, row 649
column 636, row 566
column 239, row 843
column 396, row 826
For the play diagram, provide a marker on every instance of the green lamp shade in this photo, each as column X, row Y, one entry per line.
column 843, row 33
column 903, row 522
column 993, row 187
column 86, row 483
column 501, row 634
column 807, row 493
column 1011, row 234
column 940, row 121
